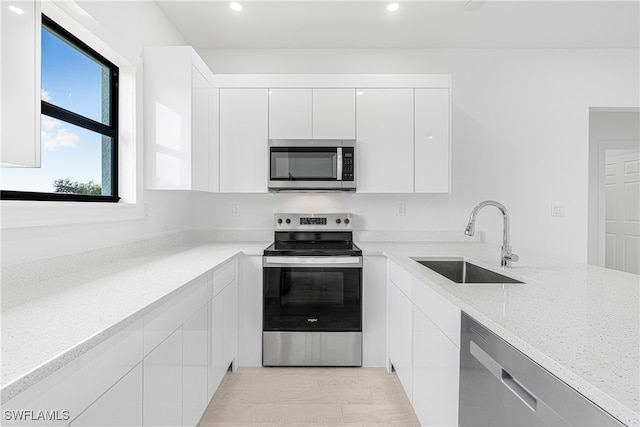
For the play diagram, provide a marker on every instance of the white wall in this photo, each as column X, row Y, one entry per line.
column 35, row 230
column 520, row 122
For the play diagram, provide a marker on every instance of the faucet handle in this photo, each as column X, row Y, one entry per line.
column 512, row 257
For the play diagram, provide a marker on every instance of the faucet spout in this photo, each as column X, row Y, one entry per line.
column 506, row 256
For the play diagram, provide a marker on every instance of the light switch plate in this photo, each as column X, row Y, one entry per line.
column 235, row 210
column 402, row 210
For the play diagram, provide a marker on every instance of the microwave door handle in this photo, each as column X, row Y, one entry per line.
column 339, row 166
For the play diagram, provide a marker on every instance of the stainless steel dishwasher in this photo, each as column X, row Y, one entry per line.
column 500, row 386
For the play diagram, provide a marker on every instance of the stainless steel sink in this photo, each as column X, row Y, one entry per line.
column 460, row 271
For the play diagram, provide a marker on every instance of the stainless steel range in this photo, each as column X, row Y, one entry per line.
column 312, row 292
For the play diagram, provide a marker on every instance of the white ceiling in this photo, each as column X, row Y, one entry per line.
column 338, row 24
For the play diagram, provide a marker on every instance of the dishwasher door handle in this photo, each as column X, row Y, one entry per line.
column 499, row 372
column 519, row 390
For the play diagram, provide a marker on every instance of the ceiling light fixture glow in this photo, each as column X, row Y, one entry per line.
column 392, row 7
column 16, row 10
column 235, row 6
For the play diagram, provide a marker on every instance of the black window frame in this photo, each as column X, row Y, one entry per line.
column 70, row 117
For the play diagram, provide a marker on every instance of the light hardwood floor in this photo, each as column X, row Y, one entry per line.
column 309, row 396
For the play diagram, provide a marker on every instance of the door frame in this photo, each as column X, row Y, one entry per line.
column 596, row 170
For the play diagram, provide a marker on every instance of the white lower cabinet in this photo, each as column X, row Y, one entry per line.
column 424, row 347
column 401, row 336
column 435, row 373
column 216, row 367
column 162, row 403
column 230, row 296
column 194, row 367
column 121, row 405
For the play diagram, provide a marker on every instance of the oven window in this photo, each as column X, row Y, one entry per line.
column 312, row 164
column 312, row 299
column 299, row 288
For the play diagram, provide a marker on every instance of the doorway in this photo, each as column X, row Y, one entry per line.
column 614, row 189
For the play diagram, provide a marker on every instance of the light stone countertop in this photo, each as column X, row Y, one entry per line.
column 47, row 324
column 579, row 322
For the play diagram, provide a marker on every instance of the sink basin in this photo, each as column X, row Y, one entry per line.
column 461, row 271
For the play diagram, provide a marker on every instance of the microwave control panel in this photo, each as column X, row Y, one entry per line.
column 347, row 164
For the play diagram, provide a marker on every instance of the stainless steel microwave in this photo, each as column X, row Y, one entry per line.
column 320, row 165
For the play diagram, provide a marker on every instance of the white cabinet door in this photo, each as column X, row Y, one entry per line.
column 230, row 295
column 162, row 400
column 374, row 303
column 194, row 367
column 20, row 83
column 290, row 114
column 334, row 114
column 121, row 405
column 401, row 336
column 177, row 88
column 432, row 141
column 200, row 144
column 214, row 140
column 435, row 374
column 385, row 140
column 243, row 140
column 250, row 311
column 216, row 365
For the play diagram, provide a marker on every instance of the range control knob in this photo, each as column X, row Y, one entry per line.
column 279, row 220
column 288, row 221
column 346, row 220
column 338, row 221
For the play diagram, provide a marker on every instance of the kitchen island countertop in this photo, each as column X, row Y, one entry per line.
column 579, row 322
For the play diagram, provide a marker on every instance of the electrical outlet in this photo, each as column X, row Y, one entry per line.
column 235, row 210
column 557, row 210
column 402, row 210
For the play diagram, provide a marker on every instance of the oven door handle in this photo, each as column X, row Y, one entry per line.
column 310, row 261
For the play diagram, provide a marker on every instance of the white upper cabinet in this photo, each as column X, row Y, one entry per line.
column 243, row 140
column 179, row 135
column 334, row 114
column 385, row 141
column 20, row 83
column 290, row 115
column 432, row 141
column 312, row 113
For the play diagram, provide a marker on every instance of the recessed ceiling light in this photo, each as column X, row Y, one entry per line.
column 359, row 92
column 235, row 6
column 16, row 10
column 392, row 7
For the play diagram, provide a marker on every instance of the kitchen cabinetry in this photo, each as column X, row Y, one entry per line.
column 250, row 311
column 320, row 113
column 401, row 327
column 424, row 347
column 195, row 340
column 121, row 405
column 374, row 315
column 162, row 396
column 223, row 325
column 243, row 140
column 385, row 155
column 20, row 84
column 181, row 135
column 436, row 357
column 77, row 385
column 432, row 156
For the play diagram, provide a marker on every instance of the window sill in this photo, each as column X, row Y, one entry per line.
column 17, row 214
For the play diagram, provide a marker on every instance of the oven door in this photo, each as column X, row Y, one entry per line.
column 312, row 294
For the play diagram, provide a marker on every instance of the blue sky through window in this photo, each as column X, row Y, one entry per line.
column 73, row 81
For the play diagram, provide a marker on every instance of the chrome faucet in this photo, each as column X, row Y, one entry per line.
column 507, row 256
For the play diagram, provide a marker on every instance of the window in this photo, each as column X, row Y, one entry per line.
column 79, row 126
